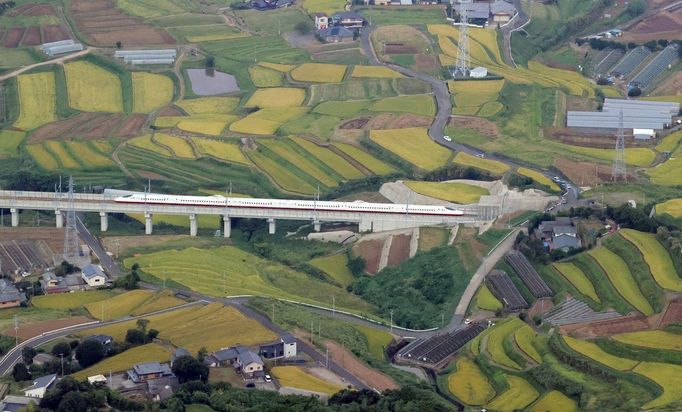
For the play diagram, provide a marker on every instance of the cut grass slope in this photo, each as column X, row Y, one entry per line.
column 336, row 267
column 654, row 339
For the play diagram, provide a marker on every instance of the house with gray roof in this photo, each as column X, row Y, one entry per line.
column 336, row 34
column 12, row 403
column 249, row 364
column 179, row 353
column 40, row 386
column 285, row 347
column 9, row 295
column 93, row 275
column 224, row 357
column 143, row 372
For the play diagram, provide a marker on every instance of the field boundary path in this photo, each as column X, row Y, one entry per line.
column 58, row 60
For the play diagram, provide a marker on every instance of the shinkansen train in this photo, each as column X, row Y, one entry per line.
column 281, row 204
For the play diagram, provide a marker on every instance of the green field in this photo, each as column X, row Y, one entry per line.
column 469, row 384
column 287, row 150
column 231, row 271
column 422, row 104
column 673, row 207
column 377, row 340
column 342, row 108
column 329, row 158
column 366, row 89
column 281, row 174
column 578, row 279
column 495, row 343
column 413, row 145
column 654, row 339
column 519, row 395
column 486, row 300
column 524, row 337
column 335, row 267
column 621, row 278
column 10, row 140
column 264, row 77
column 538, row 177
column 592, row 351
column 271, row 49
column 656, row 257
column 70, row 300
column 452, row 192
column 670, row 142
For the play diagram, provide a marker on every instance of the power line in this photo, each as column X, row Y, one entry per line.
column 619, row 170
column 71, row 248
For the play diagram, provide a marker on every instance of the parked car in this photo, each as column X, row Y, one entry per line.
column 447, row 138
column 267, row 378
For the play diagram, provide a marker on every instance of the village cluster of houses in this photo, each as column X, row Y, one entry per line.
column 559, row 234
column 483, row 13
column 90, row 277
column 340, row 27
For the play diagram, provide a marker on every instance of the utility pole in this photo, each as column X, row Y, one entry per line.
column 312, row 332
column 391, row 320
column 16, row 331
column 333, row 306
column 61, row 355
column 326, row 361
column 273, row 312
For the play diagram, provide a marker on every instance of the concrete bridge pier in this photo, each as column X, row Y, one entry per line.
column 192, row 225
column 15, row 216
column 59, row 218
column 271, row 226
column 147, row 223
column 103, row 221
column 317, row 225
column 227, row 226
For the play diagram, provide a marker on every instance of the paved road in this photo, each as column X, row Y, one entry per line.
column 58, row 60
column 107, row 262
column 519, row 21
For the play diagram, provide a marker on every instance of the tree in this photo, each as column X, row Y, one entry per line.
column 356, row 265
column 89, row 352
column 152, row 334
column 20, row 373
column 303, row 27
column 210, row 62
column 119, row 45
column 62, row 348
column 201, row 355
column 135, row 337
column 187, row 368
column 142, row 325
column 636, row 7
column 27, row 354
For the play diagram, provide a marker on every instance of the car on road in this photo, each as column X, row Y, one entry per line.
column 481, row 155
column 267, row 378
column 467, row 321
column 447, row 138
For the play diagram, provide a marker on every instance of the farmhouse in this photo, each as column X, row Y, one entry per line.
column 104, row 340
column 336, row 34
column 482, row 13
column 93, row 276
column 349, row 20
column 12, row 403
column 52, row 283
column 223, row 357
column 564, row 238
column 501, row 11
column 321, row 21
column 285, row 347
column 40, row 386
column 163, row 388
column 143, row 372
column 249, row 364
column 9, row 295
column 42, row 359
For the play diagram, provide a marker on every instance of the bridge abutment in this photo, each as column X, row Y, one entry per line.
column 59, row 218
column 227, row 226
column 192, row 225
column 147, row 223
column 271, row 226
column 15, row 217
column 317, row 225
column 103, row 221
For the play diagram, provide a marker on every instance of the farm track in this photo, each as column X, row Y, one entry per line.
column 59, row 60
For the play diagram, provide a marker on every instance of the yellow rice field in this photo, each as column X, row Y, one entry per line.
column 492, row 166
column 377, row 72
column 668, row 377
column 209, row 105
column 267, row 121
column 276, row 97
column 37, row 100
column 92, row 88
column 636, row 156
column 151, row 91
column 264, row 77
column 179, row 146
column 120, row 305
column 519, row 395
column 88, row 156
column 151, row 352
column 65, row 159
column 297, row 377
column 524, row 338
column 656, row 257
column 220, row 150
column 300, row 160
column 673, row 207
column 654, row 339
column 375, row 165
column 538, row 177
column 145, row 142
column 207, row 124
column 281, row 175
column 486, row 300
column 592, row 351
column 69, row 300
column 10, row 140
column 42, row 157
column 578, row 279
column 452, row 192
column 319, row 73
column 331, row 159
column 554, row 401
column 284, row 68
column 469, row 384
column 413, row 145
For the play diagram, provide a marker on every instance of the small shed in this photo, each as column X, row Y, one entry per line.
column 478, row 72
column 643, row 134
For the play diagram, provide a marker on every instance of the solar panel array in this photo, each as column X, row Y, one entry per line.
column 604, row 61
column 438, row 348
column 528, row 274
column 631, row 61
column 658, row 65
column 504, row 289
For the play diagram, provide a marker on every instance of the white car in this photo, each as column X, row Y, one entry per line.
column 447, row 138
column 481, row 155
column 267, row 378
column 467, row 321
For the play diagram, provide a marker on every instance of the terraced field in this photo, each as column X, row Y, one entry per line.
column 452, row 192
column 420, row 104
column 373, row 164
column 119, row 306
column 476, row 97
column 42, row 157
column 656, row 257
column 218, row 149
column 653, row 339
column 209, row 105
column 343, row 109
column 336, row 267
column 495, row 343
column 668, row 376
column 538, row 177
column 230, row 271
column 554, row 401
column 378, row 72
column 276, row 97
column 519, row 395
column 264, row 77
column 486, row 300
column 206, row 124
column 145, row 142
column 267, row 121
column 524, row 338
column 298, row 159
column 179, row 146
column 469, row 384
column 151, row 91
column 492, row 166
column 593, row 351
column 621, row 278
column 329, row 158
column 10, row 140
column 673, row 207
column 297, row 377
column 635, row 156
column 280, row 174
column 413, row 145
column 70, row 300
column 578, row 279
column 37, row 100
column 319, row 73
column 92, row 88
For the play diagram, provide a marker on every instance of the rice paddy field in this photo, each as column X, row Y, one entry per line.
column 319, row 73
column 267, row 121
column 450, row 191
column 37, row 100
column 276, row 97
column 621, row 278
column 209, row 105
column 653, row 339
column 668, row 173
column 419, row 104
column 151, row 91
column 518, row 396
column 70, row 300
column 343, row 109
column 42, row 157
column 74, row 155
column 668, row 377
column 92, row 88
column 335, row 267
column 231, row 271
column 206, row 124
column 297, row 377
column 177, row 145
column 486, row 300
column 10, row 140
column 469, row 384
column 593, row 351
column 221, row 150
column 524, row 338
column 656, row 257
column 145, row 142
column 635, row 156
column 476, row 97
column 213, row 326
column 282, row 68
column 492, row 166
column 673, row 207
column 264, row 77
column 330, row 159
column 378, row 72
column 373, row 164
column 119, row 306
column 495, row 343
column 554, row 401
column 670, row 143
column 280, row 174
column 538, row 177
column 299, row 159
column 151, row 8
column 413, row 145
column 578, row 279
column 123, row 361
column 323, row 6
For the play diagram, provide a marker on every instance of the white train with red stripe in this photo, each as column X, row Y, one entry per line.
column 282, row 204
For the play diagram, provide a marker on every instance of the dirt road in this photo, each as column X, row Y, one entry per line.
column 58, row 60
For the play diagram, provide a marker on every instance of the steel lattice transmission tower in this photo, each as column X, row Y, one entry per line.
column 71, row 247
column 462, row 65
column 619, row 170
